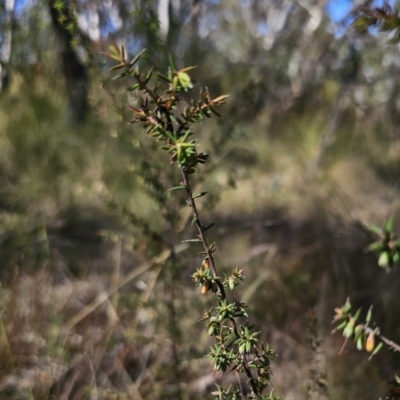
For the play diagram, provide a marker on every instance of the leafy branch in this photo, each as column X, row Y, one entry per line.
column 169, row 119
column 387, row 244
column 385, row 19
column 366, row 338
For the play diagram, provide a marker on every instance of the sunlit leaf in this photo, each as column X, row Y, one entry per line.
column 198, row 195
column 389, row 225
column 136, row 58
column 375, row 229
column 176, row 188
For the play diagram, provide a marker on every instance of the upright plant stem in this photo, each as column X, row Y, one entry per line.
column 215, row 275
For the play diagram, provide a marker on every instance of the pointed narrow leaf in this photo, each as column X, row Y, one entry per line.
column 115, row 51
column 126, row 73
column 357, row 315
column 115, row 67
column 347, row 306
column 340, row 327
column 163, row 77
column 187, row 69
column 171, row 62
column 206, row 228
column 133, row 87
column 374, row 246
column 187, row 134
column 196, row 196
column 175, row 83
column 369, row 316
column 360, row 342
column 136, row 58
column 149, row 74
column 220, row 100
column 191, row 240
column 170, row 136
column 375, row 229
column 194, row 220
column 389, row 225
column 349, row 330
column 377, row 348
column 176, row 188
column 216, row 113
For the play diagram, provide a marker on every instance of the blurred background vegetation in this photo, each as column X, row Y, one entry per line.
column 92, row 304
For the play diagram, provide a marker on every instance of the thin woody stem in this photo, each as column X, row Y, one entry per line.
column 170, row 126
column 384, row 339
column 201, row 231
column 215, row 273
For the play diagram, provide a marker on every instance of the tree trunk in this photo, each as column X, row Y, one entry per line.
column 75, row 72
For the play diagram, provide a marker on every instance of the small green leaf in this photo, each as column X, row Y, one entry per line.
column 375, row 229
column 163, row 77
column 191, row 240
column 194, row 220
column 115, row 67
column 347, row 306
column 175, row 83
column 126, row 73
column 115, row 51
column 172, row 62
column 376, row 350
column 187, row 69
column 340, row 326
column 170, row 136
column 374, row 246
column 176, row 188
column 196, row 196
column 209, row 226
column 389, row 225
column 187, row 134
column 360, row 342
column 216, row 113
column 348, row 331
column 357, row 314
column 358, row 330
column 369, row 316
column 136, row 58
column 133, row 87
column 149, row 74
